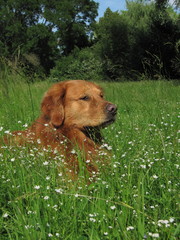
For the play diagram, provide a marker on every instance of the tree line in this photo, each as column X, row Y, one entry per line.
column 62, row 39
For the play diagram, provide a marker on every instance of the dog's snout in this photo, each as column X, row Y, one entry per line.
column 111, row 108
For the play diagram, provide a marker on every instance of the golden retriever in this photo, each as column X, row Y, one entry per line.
column 72, row 114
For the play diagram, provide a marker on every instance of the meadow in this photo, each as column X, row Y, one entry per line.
column 135, row 197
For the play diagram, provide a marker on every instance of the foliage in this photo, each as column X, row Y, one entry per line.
column 73, row 22
column 134, row 197
column 164, row 32
column 113, row 42
column 81, row 64
column 139, row 40
column 142, row 41
column 45, row 29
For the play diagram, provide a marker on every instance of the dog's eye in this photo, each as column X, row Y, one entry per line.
column 85, row 98
column 101, row 95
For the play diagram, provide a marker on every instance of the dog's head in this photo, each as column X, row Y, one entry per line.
column 77, row 103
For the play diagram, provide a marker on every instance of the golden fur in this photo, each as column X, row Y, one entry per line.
column 72, row 112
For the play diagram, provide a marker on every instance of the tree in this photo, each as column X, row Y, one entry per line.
column 73, row 20
column 142, row 40
column 47, row 29
column 113, row 42
column 164, row 34
column 161, row 4
column 15, row 18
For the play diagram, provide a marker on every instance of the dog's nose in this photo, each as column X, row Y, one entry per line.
column 111, row 108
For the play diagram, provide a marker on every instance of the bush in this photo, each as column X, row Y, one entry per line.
column 81, row 64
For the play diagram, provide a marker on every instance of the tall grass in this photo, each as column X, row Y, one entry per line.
column 135, row 197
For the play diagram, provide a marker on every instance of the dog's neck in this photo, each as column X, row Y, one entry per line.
column 93, row 133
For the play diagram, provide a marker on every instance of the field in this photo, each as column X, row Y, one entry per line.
column 134, row 198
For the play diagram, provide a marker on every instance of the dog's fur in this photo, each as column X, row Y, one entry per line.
column 72, row 113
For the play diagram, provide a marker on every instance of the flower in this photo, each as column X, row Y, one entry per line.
column 92, row 219
column 165, row 222
column 73, row 151
column 113, row 207
column 37, row 187
column 154, row 235
column 7, row 132
column 171, row 220
column 46, row 197
column 130, row 228
column 5, row 215
column 143, row 166
column 59, row 190
column 45, row 163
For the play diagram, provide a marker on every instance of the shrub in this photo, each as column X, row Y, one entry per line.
column 81, row 64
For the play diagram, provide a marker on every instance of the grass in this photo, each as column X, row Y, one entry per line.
column 134, row 198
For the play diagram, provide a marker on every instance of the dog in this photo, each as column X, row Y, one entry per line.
column 72, row 115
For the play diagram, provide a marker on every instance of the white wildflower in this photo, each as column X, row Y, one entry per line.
column 92, row 219
column 143, row 166
column 45, row 163
column 7, row 132
column 46, row 197
column 154, row 235
column 59, row 190
column 113, row 207
column 165, row 222
column 130, row 228
column 171, row 220
column 73, row 151
column 5, row 215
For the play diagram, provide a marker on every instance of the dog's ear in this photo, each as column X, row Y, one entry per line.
column 52, row 105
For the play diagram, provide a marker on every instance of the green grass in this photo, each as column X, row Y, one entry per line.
column 134, row 198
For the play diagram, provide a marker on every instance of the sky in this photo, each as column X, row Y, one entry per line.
column 115, row 5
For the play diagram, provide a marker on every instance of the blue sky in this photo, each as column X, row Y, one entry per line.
column 115, row 5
